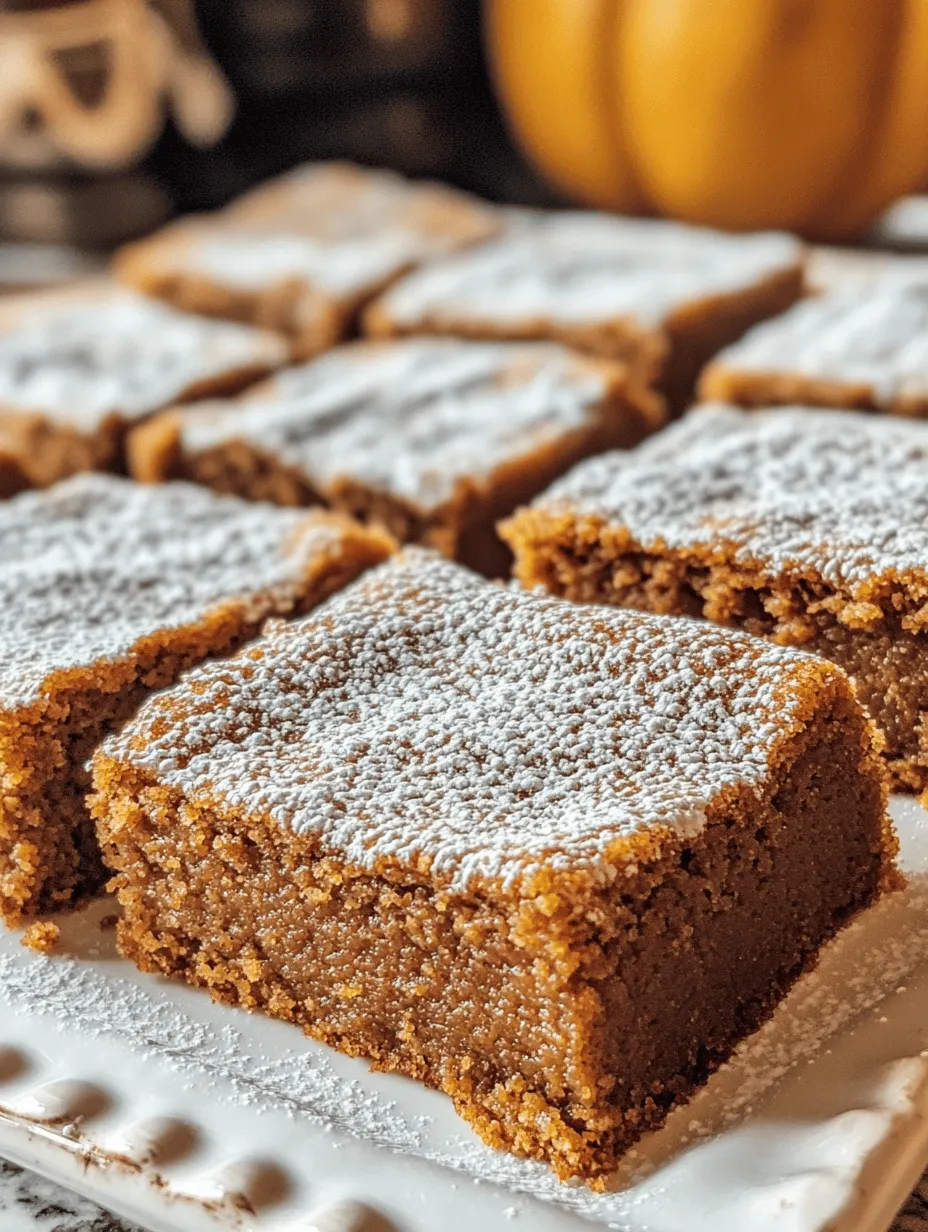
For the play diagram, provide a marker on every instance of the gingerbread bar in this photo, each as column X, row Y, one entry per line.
column 865, row 347
column 73, row 377
column 341, row 200
column 801, row 525
column 661, row 296
column 108, row 590
column 435, row 438
column 304, row 252
column 554, row 861
column 845, row 270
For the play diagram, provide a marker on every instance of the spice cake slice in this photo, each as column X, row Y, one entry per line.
column 555, row 861
column 303, row 253
column 806, row 526
column 661, row 296
column 865, row 347
column 74, row 376
column 108, row 590
column 436, row 438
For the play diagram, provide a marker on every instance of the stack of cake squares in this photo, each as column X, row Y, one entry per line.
column 554, row 843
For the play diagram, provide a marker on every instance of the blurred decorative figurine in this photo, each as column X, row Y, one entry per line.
column 90, row 82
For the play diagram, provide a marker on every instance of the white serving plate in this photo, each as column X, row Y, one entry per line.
column 186, row 1116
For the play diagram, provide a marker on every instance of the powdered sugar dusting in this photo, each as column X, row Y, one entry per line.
column 97, row 562
column 340, row 202
column 122, row 355
column 578, row 268
column 254, row 261
column 413, row 418
column 834, row 494
column 875, row 337
column 426, row 715
column 341, row 230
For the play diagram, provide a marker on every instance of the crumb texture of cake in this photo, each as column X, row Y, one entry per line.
column 303, row 252
column 483, row 838
column 807, row 526
column 109, row 589
column 73, row 377
column 865, row 348
column 42, row 936
column 434, row 438
column 661, row 296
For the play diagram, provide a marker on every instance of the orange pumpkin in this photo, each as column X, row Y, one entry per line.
column 811, row 115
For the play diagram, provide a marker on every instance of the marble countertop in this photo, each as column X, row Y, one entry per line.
column 29, row 1203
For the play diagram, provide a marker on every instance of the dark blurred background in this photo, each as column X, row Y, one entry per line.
column 397, row 83
column 400, row 83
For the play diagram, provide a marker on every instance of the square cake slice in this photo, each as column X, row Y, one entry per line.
column 661, row 296
column 74, row 376
column 436, row 438
column 554, row 860
column 108, row 590
column 806, row 526
column 303, row 253
column 865, row 347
